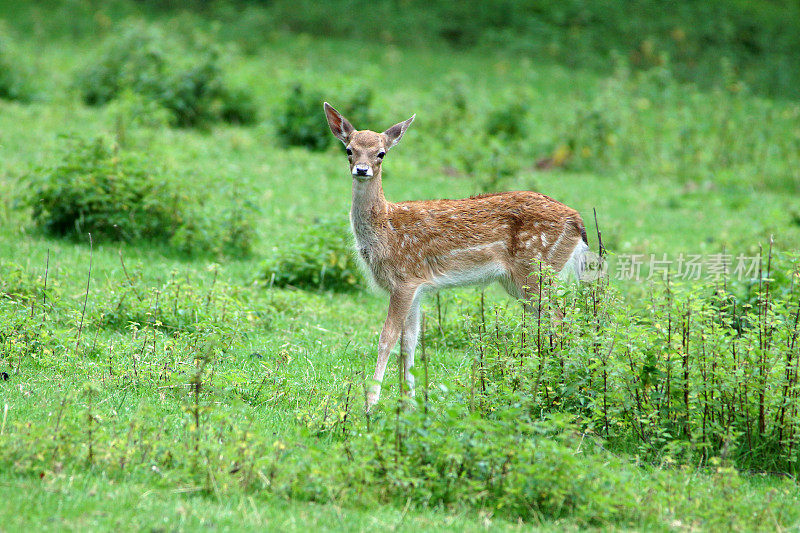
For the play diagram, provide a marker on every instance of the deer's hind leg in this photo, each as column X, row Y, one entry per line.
column 523, row 287
column 529, row 288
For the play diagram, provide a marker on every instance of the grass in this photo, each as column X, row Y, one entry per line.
column 89, row 502
column 665, row 182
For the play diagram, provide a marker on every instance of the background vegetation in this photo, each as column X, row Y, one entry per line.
column 201, row 361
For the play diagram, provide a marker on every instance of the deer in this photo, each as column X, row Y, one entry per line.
column 412, row 248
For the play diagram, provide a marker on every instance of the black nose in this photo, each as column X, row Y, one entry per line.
column 361, row 171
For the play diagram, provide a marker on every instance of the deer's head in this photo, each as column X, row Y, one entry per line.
column 365, row 148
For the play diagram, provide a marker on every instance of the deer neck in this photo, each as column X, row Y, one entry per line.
column 368, row 214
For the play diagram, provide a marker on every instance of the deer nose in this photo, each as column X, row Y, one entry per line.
column 362, row 170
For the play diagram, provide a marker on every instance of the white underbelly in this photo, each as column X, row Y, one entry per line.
column 475, row 275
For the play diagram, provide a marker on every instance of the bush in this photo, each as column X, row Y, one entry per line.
column 113, row 194
column 319, row 259
column 516, row 467
column 302, row 123
column 96, row 189
column 507, row 121
column 458, row 126
column 186, row 80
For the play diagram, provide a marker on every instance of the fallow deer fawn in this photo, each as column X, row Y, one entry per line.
column 409, row 248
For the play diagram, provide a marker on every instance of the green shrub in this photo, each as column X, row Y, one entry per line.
column 302, row 123
column 517, row 467
column 512, row 463
column 458, row 126
column 321, row 258
column 106, row 192
column 507, row 120
column 186, row 80
column 115, row 194
column 506, row 143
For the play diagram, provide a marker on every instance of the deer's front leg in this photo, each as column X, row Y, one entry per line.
column 409, row 342
column 399, row 305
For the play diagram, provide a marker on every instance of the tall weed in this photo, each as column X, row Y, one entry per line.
column 690, row 375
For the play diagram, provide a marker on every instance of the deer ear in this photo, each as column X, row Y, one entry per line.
column 339, row 125
column 393, row 135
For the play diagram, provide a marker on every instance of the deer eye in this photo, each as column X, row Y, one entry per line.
column 349, row 151
column 381, row 154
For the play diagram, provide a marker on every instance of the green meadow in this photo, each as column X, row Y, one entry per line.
column 186, row 338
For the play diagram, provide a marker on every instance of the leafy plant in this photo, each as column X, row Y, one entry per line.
column 320, row 258
column 115, row 194
column 186, row 80
column 301, row 122
column 107, row 192
column 507, row 120
column 19, row 285
column 515, row 466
